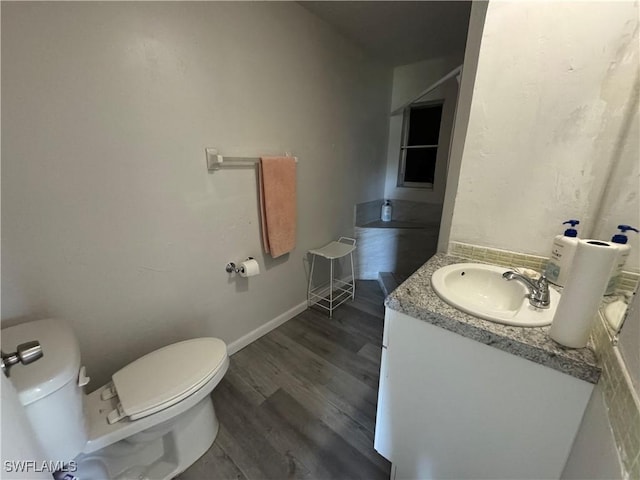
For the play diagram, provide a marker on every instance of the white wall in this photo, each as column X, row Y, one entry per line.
column 620, row 199
column 409, row 81
column 551, row 123
column 109, row 216
column 463, row 110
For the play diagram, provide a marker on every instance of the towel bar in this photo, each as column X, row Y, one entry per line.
column 216, row 161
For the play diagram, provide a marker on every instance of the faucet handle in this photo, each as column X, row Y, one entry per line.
column 542, row 296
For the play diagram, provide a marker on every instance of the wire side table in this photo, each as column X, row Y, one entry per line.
column 336, row 291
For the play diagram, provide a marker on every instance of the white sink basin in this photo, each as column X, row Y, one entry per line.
column 481, row 291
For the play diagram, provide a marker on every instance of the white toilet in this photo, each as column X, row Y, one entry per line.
column 152, row 421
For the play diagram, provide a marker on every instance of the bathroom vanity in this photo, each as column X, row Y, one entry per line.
column 461, row 397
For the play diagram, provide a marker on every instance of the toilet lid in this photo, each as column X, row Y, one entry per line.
column 166, row 376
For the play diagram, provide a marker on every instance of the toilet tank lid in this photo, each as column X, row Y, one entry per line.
column 166, row 376
column 58, row 366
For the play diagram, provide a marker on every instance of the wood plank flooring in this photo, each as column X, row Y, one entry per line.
column 300, row 402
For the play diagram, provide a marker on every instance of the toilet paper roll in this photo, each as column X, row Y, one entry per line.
column 249, row 268
column 590, row 272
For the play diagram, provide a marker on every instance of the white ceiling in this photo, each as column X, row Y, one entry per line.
column 399, row 32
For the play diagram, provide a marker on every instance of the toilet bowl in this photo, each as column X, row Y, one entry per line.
column 151, row 421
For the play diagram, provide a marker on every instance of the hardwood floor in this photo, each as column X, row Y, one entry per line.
column 300, row 402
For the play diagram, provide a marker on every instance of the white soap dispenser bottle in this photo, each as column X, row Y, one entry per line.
column 386, row 211
column 562, row 253
column 620, row 239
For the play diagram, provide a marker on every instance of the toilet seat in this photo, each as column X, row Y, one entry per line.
column 164, row 377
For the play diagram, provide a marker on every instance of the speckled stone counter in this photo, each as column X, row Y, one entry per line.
column 399, row 224
column 416, row 298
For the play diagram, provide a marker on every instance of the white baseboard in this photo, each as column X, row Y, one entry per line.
column 254, row 335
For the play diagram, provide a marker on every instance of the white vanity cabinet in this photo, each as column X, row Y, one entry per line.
column 452, row 407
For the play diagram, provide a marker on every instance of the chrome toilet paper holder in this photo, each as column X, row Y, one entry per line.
column 231, row 267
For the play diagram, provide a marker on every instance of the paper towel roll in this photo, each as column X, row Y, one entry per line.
column 590, row 273
column 249, row 268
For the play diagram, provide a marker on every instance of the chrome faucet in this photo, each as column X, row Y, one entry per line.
column 538, row 290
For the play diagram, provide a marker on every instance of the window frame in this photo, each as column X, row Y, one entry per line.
column 406, row 121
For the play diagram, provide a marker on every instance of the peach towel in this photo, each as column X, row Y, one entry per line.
column 277, row 178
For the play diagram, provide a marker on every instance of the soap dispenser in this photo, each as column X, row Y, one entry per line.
column 562, row 253
column 386, row 211
column 620, row 240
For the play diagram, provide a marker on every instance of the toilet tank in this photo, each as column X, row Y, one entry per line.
column 49, row 389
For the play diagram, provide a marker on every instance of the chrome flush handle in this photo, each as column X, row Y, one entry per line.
column 25, row 353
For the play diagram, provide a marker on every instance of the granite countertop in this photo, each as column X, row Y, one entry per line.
column 397, row 224
column 416, row 298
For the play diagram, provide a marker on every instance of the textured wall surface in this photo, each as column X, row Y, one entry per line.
column 551, row 131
